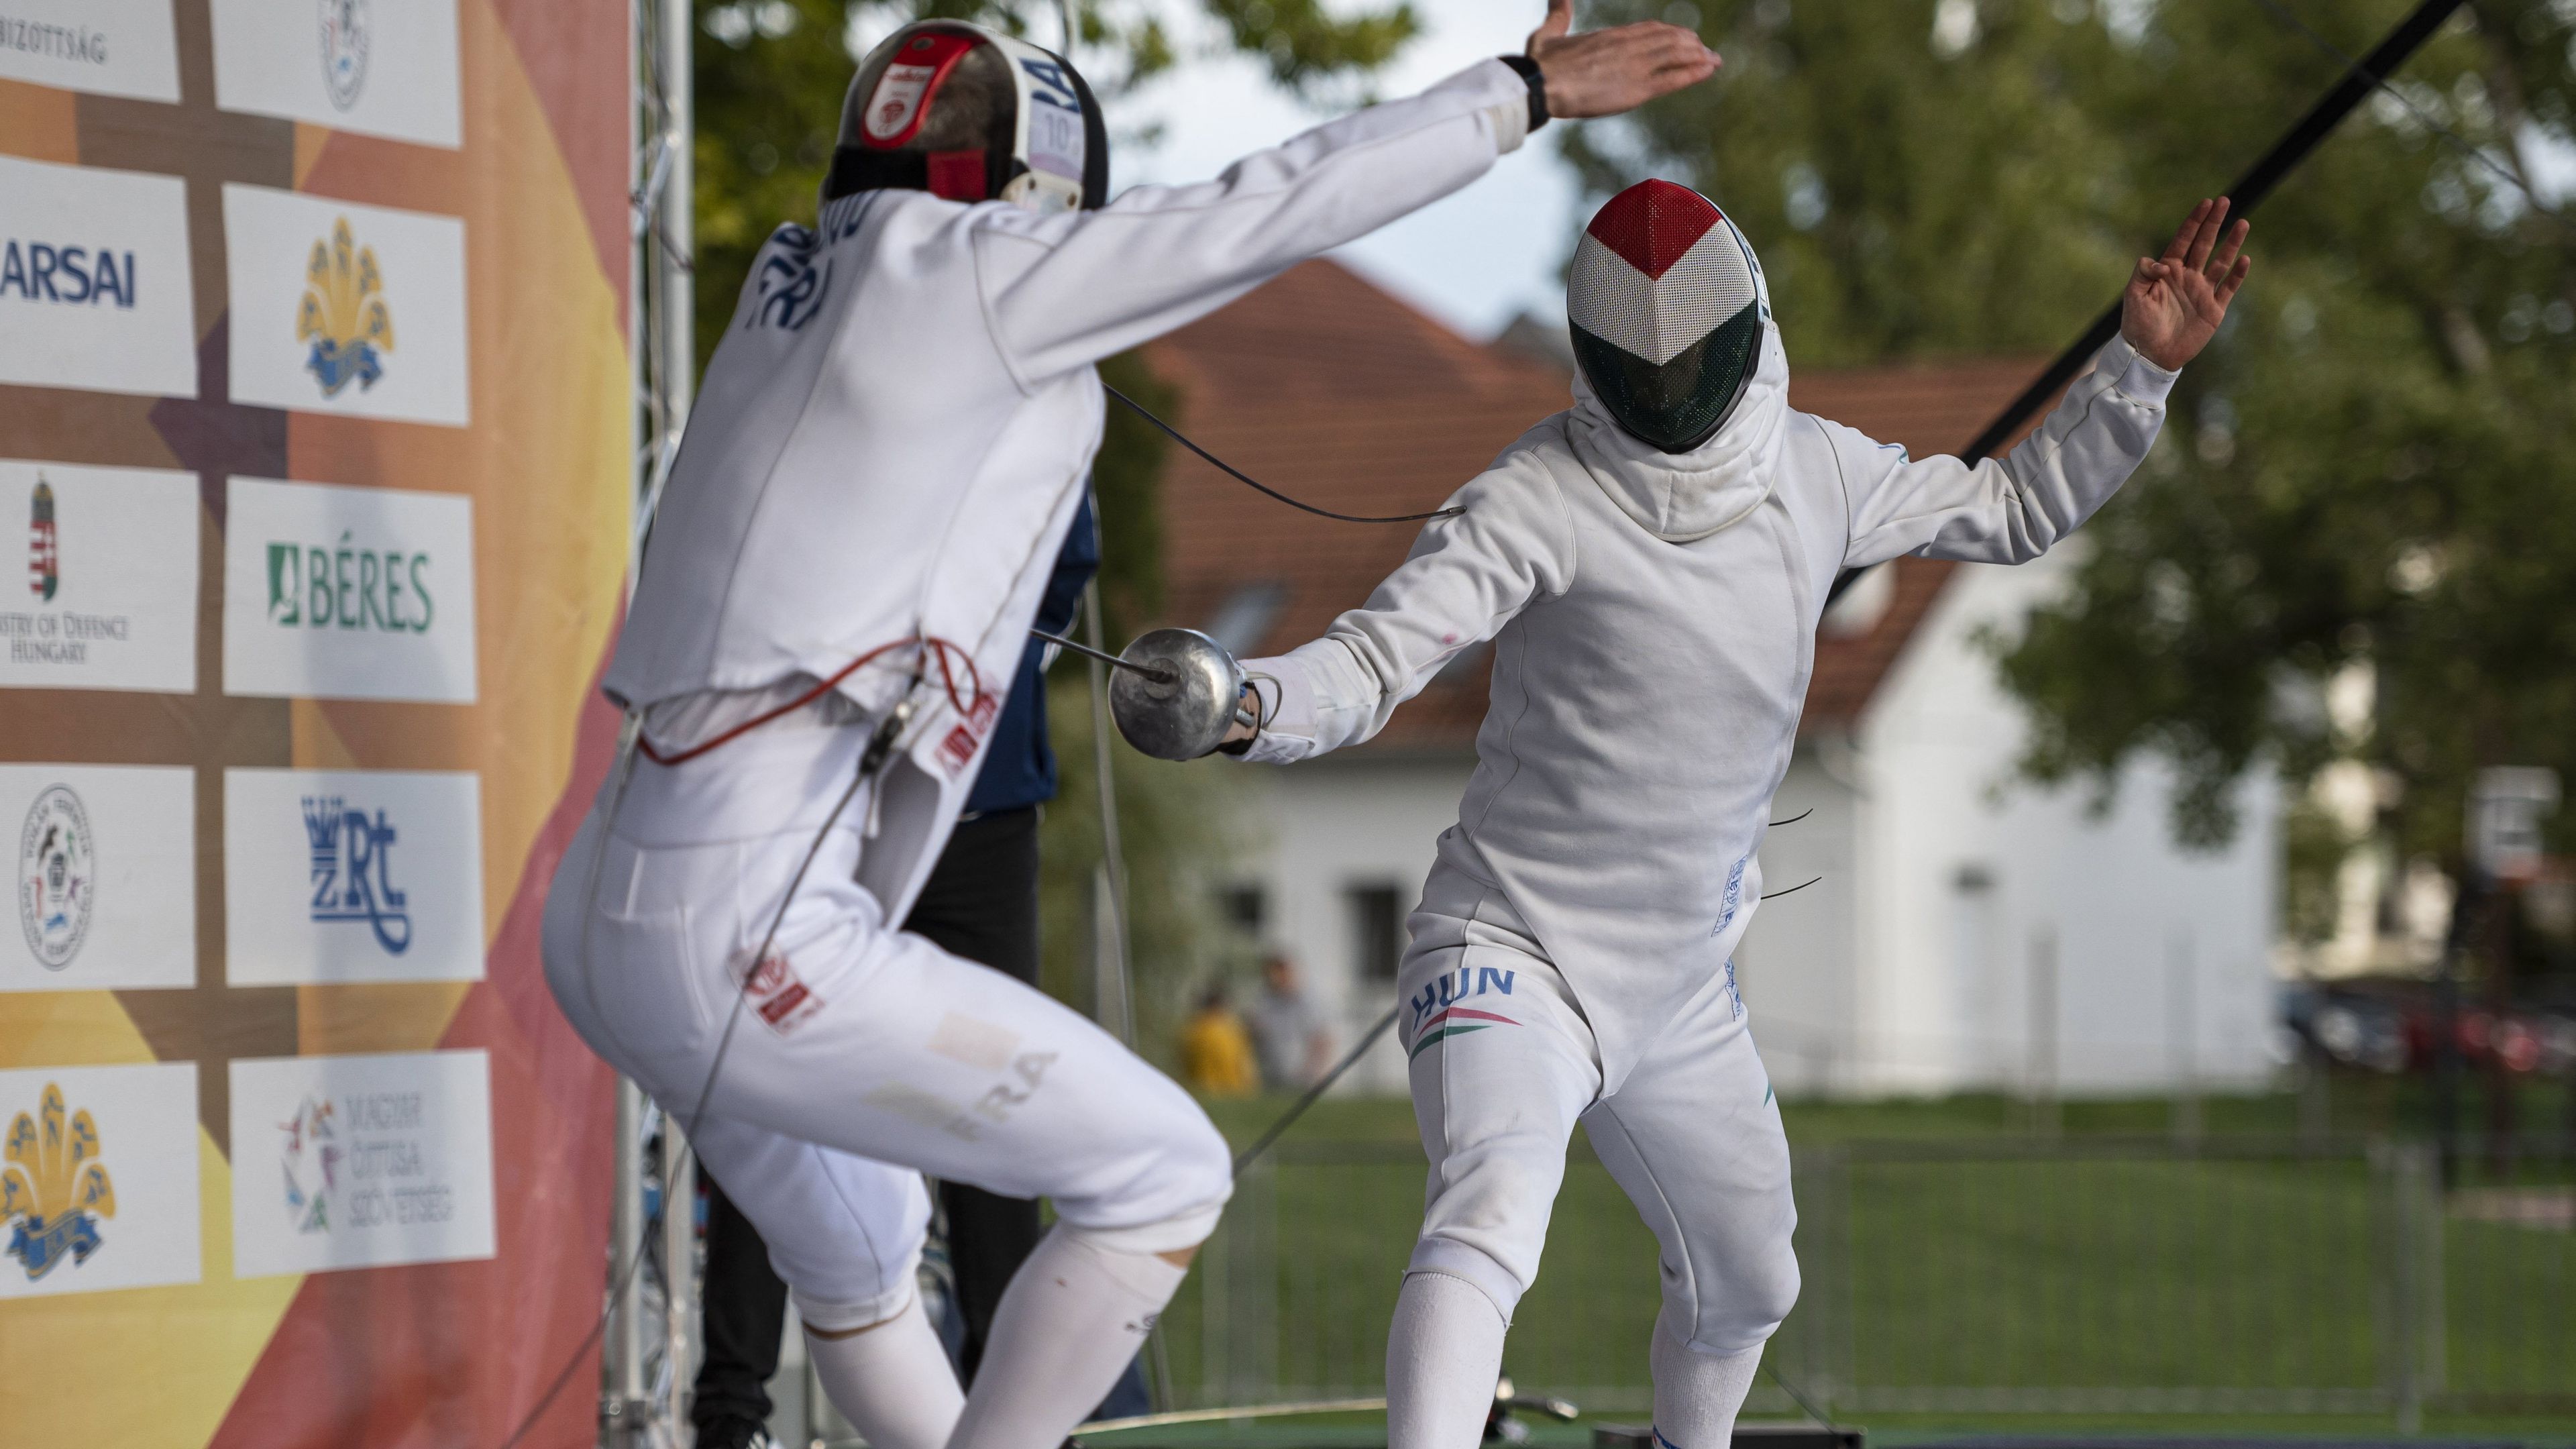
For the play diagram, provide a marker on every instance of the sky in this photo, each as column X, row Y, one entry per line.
column 1473, row 260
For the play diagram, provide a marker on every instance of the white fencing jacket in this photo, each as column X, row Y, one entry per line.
column 895, row 430
column 1654, row 619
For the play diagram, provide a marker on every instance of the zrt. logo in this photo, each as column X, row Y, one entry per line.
column 352, row 871
column 53, row 1192
column 57, row 877
column 343, row 314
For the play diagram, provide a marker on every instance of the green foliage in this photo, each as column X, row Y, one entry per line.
column 1126, row 486
column 2373, row 464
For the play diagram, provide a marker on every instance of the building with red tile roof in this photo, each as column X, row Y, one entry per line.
column 1961, row 934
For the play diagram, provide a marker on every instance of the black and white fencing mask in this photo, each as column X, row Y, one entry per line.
column 972, row 115
column 1666, row 303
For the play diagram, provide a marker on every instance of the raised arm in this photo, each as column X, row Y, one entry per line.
column 2013, row 509
column 1466, row 577
column 1066, row 290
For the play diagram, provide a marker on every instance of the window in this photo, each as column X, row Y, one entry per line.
column 1377, row 929
column 1245, row 908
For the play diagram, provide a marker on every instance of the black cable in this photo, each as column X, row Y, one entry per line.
column 2358, row 81
column 1289, row 1118
column 1791, row 891
column 1248, row 481
column 880, row 748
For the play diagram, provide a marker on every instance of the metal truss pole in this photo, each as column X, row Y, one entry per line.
column 650, row 1348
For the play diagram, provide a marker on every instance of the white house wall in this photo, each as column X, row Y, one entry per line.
column 1795, row 965
column 1341, row 822
column 1885, row 976
column 2159, row 957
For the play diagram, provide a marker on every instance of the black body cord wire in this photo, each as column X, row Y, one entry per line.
column 1256, row 485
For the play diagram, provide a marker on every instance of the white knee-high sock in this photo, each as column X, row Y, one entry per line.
column 1074, row 1316
column 1697, row 1394
column 1443, row 1353
column 892, row 1382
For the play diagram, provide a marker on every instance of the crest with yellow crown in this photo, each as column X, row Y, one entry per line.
column 343, row 314
column 53, row 1192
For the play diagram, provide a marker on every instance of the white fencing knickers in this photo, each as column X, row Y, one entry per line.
column 1503, row 1064
column 868, row 1056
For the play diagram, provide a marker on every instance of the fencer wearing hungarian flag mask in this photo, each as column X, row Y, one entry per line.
column 886, row 457
column 1667, row 308
column 1650, row 565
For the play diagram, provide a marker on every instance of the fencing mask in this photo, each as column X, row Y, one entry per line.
column 972, row 115
column 1666, row 303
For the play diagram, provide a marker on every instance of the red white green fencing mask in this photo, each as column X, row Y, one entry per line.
column 1667, row 305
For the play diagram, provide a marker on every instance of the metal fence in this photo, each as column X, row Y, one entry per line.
column 1989, row 1275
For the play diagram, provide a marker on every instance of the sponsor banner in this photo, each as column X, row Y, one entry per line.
column 348, row 593
column 98, row 1188
column 106, row 884
column 94, row 282
column 111, row 598
column 342, row 308
column 377, row 1160
column 386, row 69
column 352, row 875
column 107, row 47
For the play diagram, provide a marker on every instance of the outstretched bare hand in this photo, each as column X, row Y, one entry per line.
column 2175, row 302
column 1604, row 72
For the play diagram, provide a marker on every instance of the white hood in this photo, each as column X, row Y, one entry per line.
column 1684, row 497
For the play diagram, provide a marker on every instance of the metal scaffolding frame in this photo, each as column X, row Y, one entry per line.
column 649, row 1355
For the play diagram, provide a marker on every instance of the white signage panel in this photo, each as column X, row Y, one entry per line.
column 98, row 1189
column 106, row 884
column 94, row 282
column 342, row 308
column 111, row 597
column 384, row 67
column 348, row 593
column 361, row 1161
column 352, row 875
column 106, row 47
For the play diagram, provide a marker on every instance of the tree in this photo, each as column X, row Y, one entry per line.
column 2371, row 472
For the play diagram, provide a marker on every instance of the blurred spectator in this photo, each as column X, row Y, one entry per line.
column 1287, row 1032
column 1216, row 1052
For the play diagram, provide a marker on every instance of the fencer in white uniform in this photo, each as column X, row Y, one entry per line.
column 1650, row 566
column 885, row 455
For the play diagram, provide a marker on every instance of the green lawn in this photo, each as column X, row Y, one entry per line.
column 1936, row 1282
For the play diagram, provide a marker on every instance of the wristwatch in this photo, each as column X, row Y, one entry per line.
column 1537, row 87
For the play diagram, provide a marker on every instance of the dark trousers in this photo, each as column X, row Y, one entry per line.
column 981, row 903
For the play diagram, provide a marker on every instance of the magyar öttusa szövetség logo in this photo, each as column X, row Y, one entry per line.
column 310, row 1156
